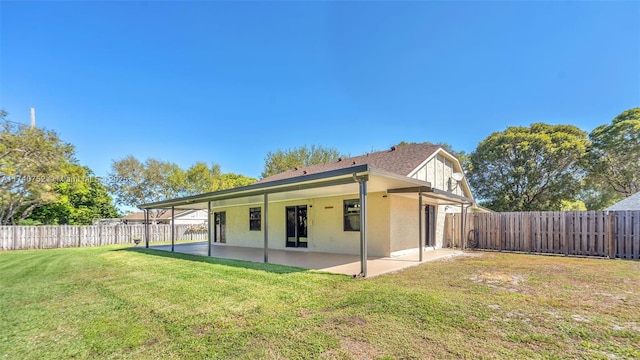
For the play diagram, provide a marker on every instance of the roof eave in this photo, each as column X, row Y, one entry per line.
column 259, row 188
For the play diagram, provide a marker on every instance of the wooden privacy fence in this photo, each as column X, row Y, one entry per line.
column 613, row 234
column 64, row 236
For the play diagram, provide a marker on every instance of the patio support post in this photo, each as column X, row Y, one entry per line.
column 420, row 224
column 463, row 242
column 173, row 228
column 146, row 228
column 209, row 228
column 266, row 227
column 363, row 226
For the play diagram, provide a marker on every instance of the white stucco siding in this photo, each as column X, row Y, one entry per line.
column 439, row 233
column 325, row 226
column 403, row 223
column 237, row 227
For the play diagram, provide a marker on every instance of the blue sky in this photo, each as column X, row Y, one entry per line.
column 226, row 82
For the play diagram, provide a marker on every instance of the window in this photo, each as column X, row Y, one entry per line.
column 352, row 215
column 255, row 219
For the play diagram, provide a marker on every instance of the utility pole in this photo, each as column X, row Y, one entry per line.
column 33, row 118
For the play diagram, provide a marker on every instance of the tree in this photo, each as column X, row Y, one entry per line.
column 81, row 199
column 532, row 168
column 201, row 178
column 134, row 182
column 283, row 160
column 614, row 154
column 231, row 180
column 31, row 161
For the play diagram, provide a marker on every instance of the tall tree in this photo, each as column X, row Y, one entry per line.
column 201, row 178
column 30, row 162
column 614, row 154
column 283, row 160
column 134, row 182
column 529, row 168
column 81, row 199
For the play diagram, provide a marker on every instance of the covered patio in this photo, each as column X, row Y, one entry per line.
column 357, row 180
column 326, row 262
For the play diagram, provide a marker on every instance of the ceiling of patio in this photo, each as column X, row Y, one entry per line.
column 374, row 185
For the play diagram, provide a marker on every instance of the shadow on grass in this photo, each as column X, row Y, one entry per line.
column 272, row 268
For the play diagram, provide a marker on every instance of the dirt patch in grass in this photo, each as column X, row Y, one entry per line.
column 353, row 349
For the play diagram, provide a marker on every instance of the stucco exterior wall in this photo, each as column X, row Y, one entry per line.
column 403, row 223
column 324, row 226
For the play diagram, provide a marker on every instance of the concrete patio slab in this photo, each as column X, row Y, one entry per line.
column 332, row 263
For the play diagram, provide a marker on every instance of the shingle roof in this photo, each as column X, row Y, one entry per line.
column 630, row 203
column 140, row 215
column 400, row 160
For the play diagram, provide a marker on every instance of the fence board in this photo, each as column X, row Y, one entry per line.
column 48, row 237
column 613, row 234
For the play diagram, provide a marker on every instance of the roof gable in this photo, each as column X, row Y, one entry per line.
column 401, row 160
column 630, row 203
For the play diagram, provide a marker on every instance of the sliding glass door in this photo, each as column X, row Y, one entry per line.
column 296, row 226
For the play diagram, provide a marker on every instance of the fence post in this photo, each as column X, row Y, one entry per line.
column 611, row 234
column 564, row 231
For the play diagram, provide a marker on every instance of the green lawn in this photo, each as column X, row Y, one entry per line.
column 110, row 302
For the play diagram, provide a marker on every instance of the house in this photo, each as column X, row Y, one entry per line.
column 182, row 217
column 383, row 203
column 630, row 203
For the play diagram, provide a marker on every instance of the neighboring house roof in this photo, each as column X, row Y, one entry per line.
column 630, row 203
column 400, row 160
column 140, row 215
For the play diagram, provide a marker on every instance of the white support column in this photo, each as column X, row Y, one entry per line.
column 266, row 227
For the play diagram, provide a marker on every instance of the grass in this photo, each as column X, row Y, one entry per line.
column 111, row 302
